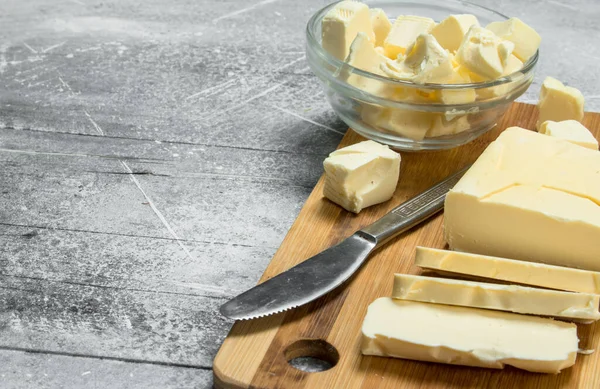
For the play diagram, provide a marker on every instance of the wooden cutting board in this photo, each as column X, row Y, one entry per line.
column 255, row 354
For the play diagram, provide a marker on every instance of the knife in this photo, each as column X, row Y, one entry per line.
column 327, row 270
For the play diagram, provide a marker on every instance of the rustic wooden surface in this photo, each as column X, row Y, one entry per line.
column 256, row 352
column 154, row 154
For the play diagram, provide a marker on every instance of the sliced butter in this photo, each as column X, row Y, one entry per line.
column 381, row 25
column 361, row 175
column 483, row 53
column 530, row 197
column 467, row 336
column 570, row 130
column 404, row 32
column 451, row 31
column 525, row 38
column 559, row 102
column 510, row 270
column 341, row 24
column 510, row 298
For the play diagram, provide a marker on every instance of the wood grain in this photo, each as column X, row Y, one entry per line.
column 253, row 355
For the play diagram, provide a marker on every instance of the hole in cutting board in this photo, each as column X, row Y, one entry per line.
column 311, row 355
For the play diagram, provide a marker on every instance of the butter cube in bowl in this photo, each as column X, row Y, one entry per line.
column 422, row 75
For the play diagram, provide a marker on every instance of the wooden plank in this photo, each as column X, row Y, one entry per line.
column 253, row 355
column 19, row 369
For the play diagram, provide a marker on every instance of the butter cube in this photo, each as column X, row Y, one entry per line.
column 508, row 270
column 525, row 38
column 361, row 175
column 425, row 62
column 441, row 126
column 460, row 75
column 483, row 53
column 381, row 25
column 559, row 102
column 364, row 56
column 341, row 24
column 404, row 32
column 407, row 123
column 510, row 298
column 451, row 31
column 467, row 336
column 530, row 197
column 513, row 64
column 570, row 130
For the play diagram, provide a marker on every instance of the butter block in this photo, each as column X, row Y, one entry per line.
column 509, row 270
column 571, row 131
column 530, row 197
column 361, row 175
column 526, row 39
column 483, row 53
column 559, row 102
column 363, row 56
column 467, row 336
column 425, row 62
column 451, row 31
column 404, row 32
column 381, row 25
column 510, row 298
column 341, row 24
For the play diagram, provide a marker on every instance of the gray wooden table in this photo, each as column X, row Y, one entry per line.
column 152, row 157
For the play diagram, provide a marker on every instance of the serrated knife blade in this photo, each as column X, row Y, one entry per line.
column 329, row 269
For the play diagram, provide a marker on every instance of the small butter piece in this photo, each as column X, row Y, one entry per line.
column 458, row 96
column 535, row 191
column 559, row 102
column 484, row 53
column 513, row 64
column 361, row 175
column 510, row 270
column 441, row 126
column 408, row 123
column 364, row 56
column 525, row 38
column 570, row 130
column 510, row 298
column 467, row 336
column 341, row 24
column 381, row 25
column 425, row 62
column 451, row 31
column 404, row 32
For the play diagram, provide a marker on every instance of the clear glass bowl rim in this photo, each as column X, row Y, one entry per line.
column 313, row 42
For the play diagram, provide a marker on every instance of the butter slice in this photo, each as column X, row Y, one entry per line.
column 525, row 38
column 341, row 24
column 530, row 197
column 425, row 62
column 467, row 336
column 361, row 175
column 510, row 270
column 404, row 32
column 571, row 131
column 364, row 56
column 483, row 53
column 451, row 31
column 510, row 298
column 381, row 25
column 559, row 102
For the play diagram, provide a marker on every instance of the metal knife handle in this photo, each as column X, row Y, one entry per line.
column 413, row 211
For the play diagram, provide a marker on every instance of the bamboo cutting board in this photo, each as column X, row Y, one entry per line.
column 255, row 354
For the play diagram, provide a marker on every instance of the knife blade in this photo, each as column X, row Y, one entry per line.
column 329, row 269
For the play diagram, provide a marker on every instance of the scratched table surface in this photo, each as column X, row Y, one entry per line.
column 153, row 155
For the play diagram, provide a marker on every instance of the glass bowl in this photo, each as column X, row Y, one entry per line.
column 409, row 116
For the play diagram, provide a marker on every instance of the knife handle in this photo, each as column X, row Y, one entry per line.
column 413, row 211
